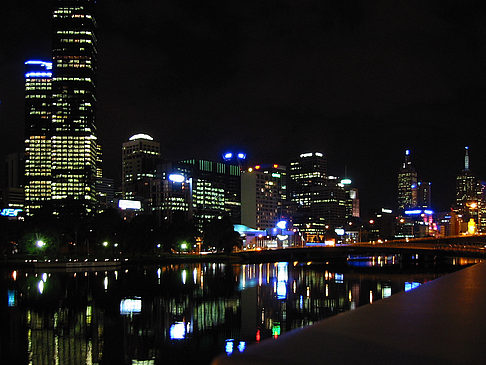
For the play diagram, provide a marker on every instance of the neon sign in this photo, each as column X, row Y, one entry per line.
column 10, row 212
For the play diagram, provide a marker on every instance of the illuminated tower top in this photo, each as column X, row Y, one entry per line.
column 466, row 159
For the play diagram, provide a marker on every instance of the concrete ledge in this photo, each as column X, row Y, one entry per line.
column 441, row 322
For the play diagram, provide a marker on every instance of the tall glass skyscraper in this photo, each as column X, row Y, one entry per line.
column 74, row 142
column 63, row 154
column 407, row 185
column 38, row 93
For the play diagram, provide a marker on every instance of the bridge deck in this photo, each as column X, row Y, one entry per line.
column 441, row 322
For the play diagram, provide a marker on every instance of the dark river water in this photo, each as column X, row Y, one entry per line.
column 185, row 313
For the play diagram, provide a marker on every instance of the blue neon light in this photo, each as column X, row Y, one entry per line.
column 227, row 156
column 10, row 212
column 47, row 65
column 242, row 156
column 38, row 74
column 428, row 212
column 413, row 212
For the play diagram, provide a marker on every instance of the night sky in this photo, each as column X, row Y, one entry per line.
column 358, row 80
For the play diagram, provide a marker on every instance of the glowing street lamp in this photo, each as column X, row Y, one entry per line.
column 105, row 244
column 40, row 243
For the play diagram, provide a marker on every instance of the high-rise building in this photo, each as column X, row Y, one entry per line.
column 407, row 185
column 38, row 93
column 468, row 193
column 140, row 157
column 74, row 142
column 216, row 188
column 424, row 197
column 319, row 203
column 13, row 195
column 263, row 196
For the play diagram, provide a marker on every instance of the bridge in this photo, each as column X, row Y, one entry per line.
column 465, row 246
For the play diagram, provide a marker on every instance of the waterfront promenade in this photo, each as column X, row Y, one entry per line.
column 440, row 322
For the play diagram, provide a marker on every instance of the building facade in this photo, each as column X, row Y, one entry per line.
column 62, row 148
column 407, row 185
column 140, row 158
column 263, row 196
column 38, row 94
column 74, row 141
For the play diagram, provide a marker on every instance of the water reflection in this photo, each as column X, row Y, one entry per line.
column 183, row 313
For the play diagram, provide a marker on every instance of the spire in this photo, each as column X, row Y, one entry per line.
column 466, row 159
column 407, row 159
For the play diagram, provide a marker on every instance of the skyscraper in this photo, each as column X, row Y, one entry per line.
column 140, row 157
column 407, row 185
column 468, row 193
column 263, row 196
column 38, row 93
column 74, row 144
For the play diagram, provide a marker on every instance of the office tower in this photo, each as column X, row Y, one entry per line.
column 263, row 196
column 407, row 185
column 307, row 177
column 215, row 188
column 352, row 200
column 13, row 196
column 319, row 203
column 38, row 90
column 105, row 192
column 424, row 197
column 468, row 193
column 140, row 157
column 74, row 143
column 225, row 178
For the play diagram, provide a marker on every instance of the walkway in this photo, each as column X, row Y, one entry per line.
column 440, row 322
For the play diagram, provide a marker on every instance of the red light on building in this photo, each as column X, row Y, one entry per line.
column 275, row 166
column 257, row 167
column 258, row 336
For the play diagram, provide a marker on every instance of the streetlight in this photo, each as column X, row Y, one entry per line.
column 40, row 243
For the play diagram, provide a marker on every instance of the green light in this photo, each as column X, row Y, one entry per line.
column 276, row 329
column 183, row 246
column 40, row 243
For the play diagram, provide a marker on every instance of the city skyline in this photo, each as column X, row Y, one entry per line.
column 203, row 79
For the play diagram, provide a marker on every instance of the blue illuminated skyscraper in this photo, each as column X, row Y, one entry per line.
column 38, row 90
column 63, row 157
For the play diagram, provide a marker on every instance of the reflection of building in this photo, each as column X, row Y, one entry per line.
column 263, row 196
column 38, row 93
column 74, row 144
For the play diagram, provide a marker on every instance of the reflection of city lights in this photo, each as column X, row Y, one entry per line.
column 371, row 297
column 258, row 336
column 229, row 347
column 40, row 286
column 177, row 331
column 184, row 276
column 44, row 277
column 14, row 275
column 241, row 346
column 105, row 282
